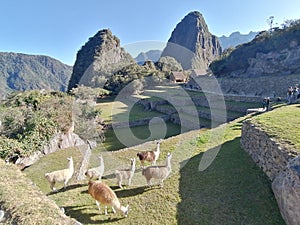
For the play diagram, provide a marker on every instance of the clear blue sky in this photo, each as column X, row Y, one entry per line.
column 59, row 28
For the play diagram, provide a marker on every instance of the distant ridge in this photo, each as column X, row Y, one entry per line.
column 20, row 72
column 236, row 38
column 151, row 55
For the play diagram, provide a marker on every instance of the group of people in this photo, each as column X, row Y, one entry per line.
column 293, row 94
column 266, row 103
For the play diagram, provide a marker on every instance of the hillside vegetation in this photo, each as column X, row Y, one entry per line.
column 39, row 115
column 20, row 72
column 237, row 59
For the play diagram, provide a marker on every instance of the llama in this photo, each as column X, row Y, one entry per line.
column 96, row 172
column 61, row 175
column 158, row 172
column 150, row 156
column 103, row 194
column 126, row 173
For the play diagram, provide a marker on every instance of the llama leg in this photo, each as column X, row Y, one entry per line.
column 113, row 209
column 52, row 186
column 149, row 182
column 161, row 184
column 120, row 182
column 129, row 181
column 105, row 210
column 98, row 205
column 65, row 183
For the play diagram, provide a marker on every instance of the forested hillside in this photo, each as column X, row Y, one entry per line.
column 20, row 72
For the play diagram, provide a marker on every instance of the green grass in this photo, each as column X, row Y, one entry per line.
column 143, row 133
column 282, row 123
column 117, row 111
column 233, row 190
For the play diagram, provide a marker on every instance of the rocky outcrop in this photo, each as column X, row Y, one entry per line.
column 60, row 141
column 282, row 62
column 268, row 54
column 286, row 188
column 98, row 59
column 272, row 86
column 281, row 163
column 191, row 43
column 167, row 64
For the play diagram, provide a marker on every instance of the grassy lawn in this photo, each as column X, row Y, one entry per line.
column 282, row 123
column 117, row 111
column 232, row 190
column 143, row 133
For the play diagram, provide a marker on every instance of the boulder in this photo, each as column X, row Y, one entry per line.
column 286, row 188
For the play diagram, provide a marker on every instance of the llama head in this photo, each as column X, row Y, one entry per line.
column 100, row 157
column 132, row 161
column 70, row 159
column 158, row 141
column 125, row 210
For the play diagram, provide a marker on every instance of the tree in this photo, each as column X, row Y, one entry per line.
column 270, row 22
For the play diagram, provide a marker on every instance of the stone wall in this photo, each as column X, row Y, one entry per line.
column 140, row 122
column 281, row 163
column 272, row 86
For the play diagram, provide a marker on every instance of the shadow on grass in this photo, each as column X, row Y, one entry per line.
column 69, row 187
column 78, row 213
column 232, row 190
column 124, row 193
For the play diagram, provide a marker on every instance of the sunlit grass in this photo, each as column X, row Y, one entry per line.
column 282, row 123
column 233, row 190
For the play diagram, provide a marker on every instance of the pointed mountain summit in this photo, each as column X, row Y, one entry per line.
column 191, row 43
column 98, row 59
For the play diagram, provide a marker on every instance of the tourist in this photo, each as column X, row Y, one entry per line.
column 266, row 104
column 289, row 95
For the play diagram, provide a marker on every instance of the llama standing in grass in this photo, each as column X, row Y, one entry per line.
column 61, row 175
column 158, row 172
column 150, row 156
column 96, row 172
column 126, row 174
column 105, row 195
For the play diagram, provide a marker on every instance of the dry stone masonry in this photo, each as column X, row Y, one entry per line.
column 281, row 164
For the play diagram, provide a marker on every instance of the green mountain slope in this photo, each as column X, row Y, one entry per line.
column 26, row 72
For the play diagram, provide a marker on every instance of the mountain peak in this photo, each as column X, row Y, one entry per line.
column 99, row 58
column 191, row 43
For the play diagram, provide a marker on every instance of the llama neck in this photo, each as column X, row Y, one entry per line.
column 101, row 161
column 168, row 163
column 132, row 167
column 71, row 165
column 158, row 147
